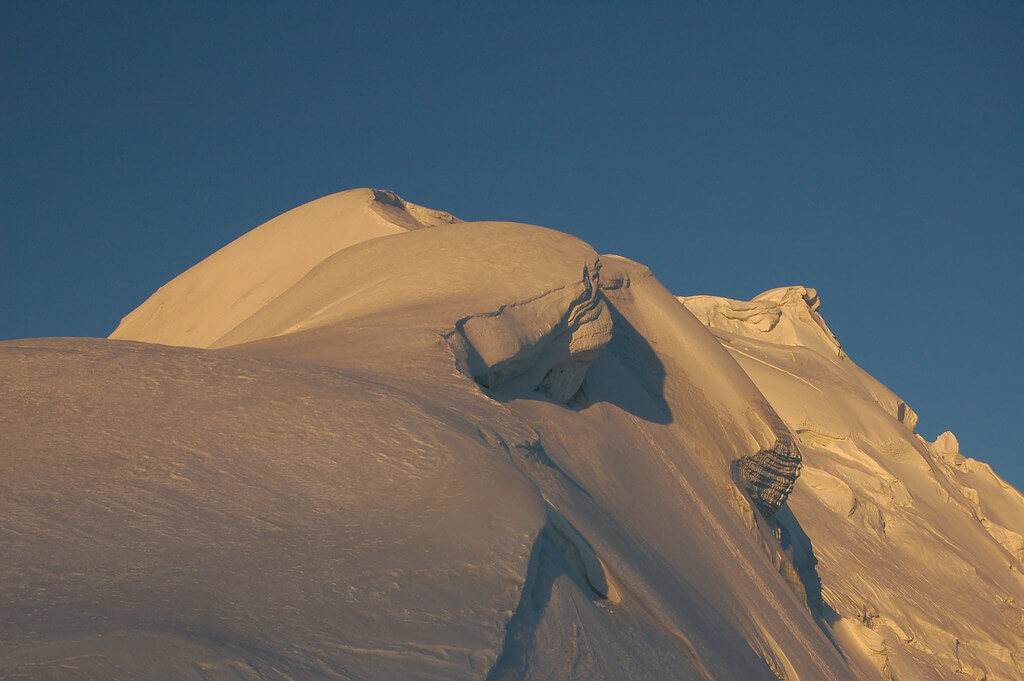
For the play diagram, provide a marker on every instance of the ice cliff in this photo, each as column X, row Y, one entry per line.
column 368, row 440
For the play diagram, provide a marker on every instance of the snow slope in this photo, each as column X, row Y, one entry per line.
column 390, row 444
column 212, row 297
column 918, row 548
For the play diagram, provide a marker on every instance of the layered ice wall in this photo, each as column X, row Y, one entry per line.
column 769, row 475
column 391, row 444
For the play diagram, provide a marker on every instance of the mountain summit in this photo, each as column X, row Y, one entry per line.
column 368, row 440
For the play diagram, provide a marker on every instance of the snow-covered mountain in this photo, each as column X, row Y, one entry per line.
column 368, row 440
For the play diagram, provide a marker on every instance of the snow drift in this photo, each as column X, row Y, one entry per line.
column 370, row 441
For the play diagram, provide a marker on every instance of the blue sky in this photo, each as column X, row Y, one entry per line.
column 875, row 152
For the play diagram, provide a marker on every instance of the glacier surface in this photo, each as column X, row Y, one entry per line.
column 368, row 440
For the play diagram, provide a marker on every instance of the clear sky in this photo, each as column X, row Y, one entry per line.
column 875, row 152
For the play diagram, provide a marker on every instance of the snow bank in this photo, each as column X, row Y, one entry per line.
column 212, row 297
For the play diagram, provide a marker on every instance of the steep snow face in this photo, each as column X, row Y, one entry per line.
column 916, row 548
column 402, row 446
column 797, row 330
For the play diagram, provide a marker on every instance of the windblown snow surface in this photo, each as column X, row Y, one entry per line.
column 367, row 440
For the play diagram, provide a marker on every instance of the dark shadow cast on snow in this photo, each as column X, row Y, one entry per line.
column 798, row 545
column 553, row 556
column 627, row 374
